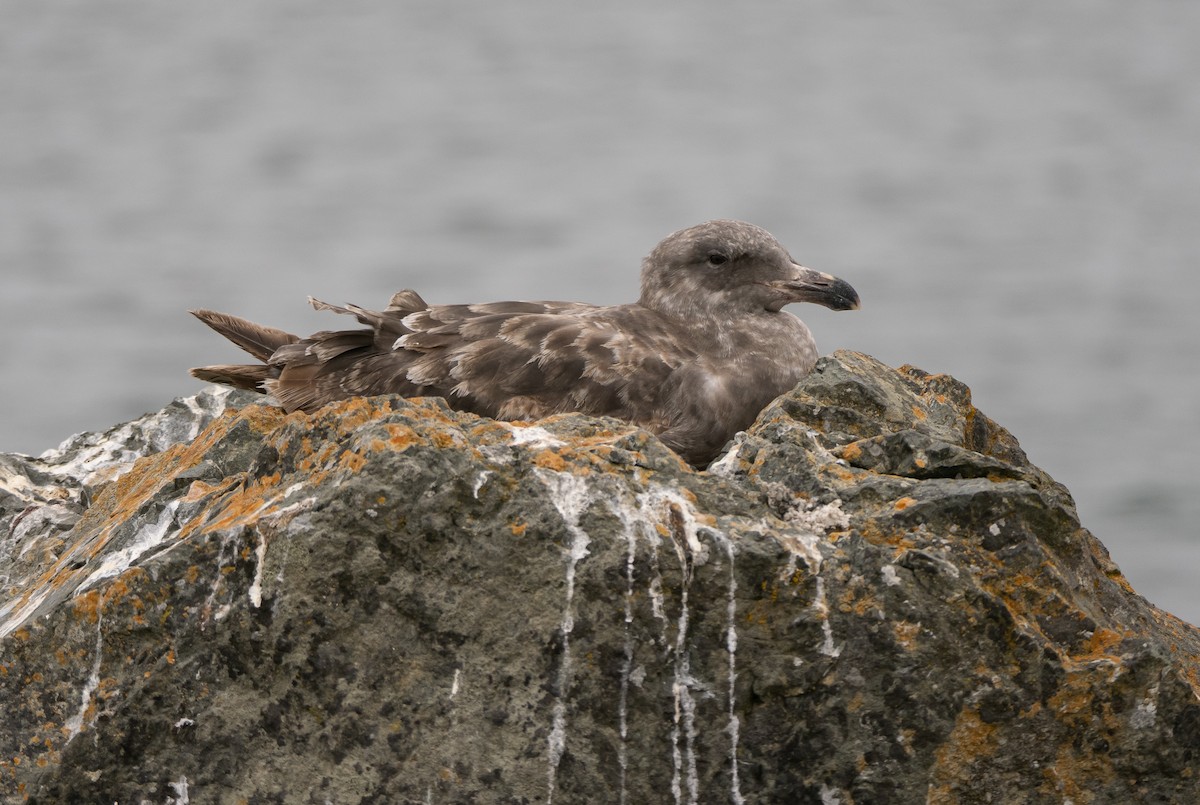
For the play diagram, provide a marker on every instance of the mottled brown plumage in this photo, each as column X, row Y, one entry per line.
column 693, row 360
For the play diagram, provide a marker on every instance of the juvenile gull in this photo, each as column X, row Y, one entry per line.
column 694, row 360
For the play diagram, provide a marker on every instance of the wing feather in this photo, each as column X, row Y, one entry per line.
column 257, row 339
column 501, row 359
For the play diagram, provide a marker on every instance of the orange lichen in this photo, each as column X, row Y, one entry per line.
column 320, row 458
column 841, row 473
column 867, row 605
column 852, row 451
column 918, row 412
column 1119, row 578
column 488, row 430
column 755, row 615
column 88, row 605
column 400, row 436
column 239, row 506
column 518, row 528
column 1100, row 645
column 1072, row 704
column 904, row 503
column 1075, row 776
column 201, row 489
column 906, row 633
column 550, row 460
column 354, row 412
column 351, row 461
column 970, row 741
column 442, row 439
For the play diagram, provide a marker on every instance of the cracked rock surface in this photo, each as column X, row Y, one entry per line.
column 872, row 597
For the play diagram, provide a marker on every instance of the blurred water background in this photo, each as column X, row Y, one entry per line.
column 1013, row 188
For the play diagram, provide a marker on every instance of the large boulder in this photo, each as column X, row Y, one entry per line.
column 872, row 597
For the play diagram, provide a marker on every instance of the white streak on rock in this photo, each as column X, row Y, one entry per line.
column 290, row 510
column 806, row 546
column 260, row 557
column 180, row 787
column 734, row 726
column 1146, row 711
column 822, row 606
column 148, row 537
column 630, row 527
column 727, row 464
column 801, row 546
column 227, row 548
column 829, row 796
column 454, row 682
column 669, row 508
column 75, row 723
column 90, row 458
column 532, row 436
column 12, row 616
column 30, row 528
column 684, row 726
column 656, row 599
column 571, row 496
column 819, row 519
column 685, row 718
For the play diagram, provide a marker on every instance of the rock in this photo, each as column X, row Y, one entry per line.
column 872, row 597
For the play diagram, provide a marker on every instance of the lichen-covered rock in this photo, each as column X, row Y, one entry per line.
column 873, row 597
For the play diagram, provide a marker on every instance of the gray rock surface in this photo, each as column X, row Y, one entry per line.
column 872, row 597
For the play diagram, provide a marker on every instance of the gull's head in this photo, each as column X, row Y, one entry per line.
column 730, row 268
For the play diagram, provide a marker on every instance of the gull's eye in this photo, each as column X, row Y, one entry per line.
column 717, row 259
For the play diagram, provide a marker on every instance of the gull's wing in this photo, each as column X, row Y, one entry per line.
column 510, row 360
column 524, row 360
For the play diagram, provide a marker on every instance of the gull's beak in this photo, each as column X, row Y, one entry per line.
column 807, row 285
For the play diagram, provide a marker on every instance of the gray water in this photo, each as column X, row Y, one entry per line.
column 1012, row 187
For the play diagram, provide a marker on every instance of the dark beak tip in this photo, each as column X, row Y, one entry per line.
column 846, row 297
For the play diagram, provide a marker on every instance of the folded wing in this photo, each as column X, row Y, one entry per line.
column 509, row 360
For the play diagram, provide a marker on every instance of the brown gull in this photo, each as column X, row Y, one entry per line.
column 694, row 360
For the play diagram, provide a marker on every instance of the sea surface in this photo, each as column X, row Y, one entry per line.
column 1013, row 188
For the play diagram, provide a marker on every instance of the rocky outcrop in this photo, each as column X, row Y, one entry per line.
column 872, row 597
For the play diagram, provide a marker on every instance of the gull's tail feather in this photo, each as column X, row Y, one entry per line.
column 250, row 378
column 259, row 340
